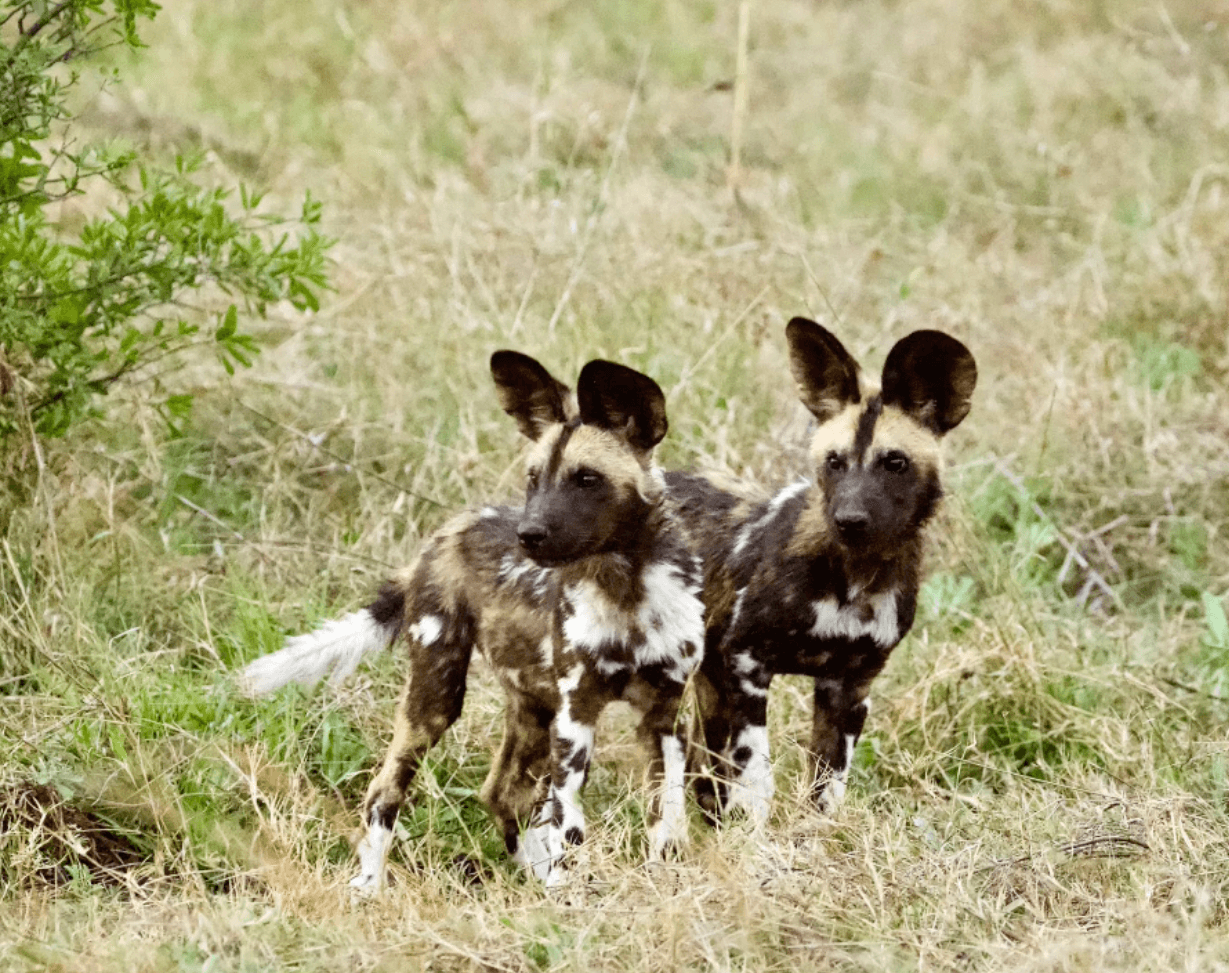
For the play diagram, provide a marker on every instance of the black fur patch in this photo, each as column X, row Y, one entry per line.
column 388, row 610
column 866, row 426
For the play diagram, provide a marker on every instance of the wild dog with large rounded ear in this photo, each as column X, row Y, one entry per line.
column 529, row 393
column 617, row 616
column 824, row 373
column 822, row 579
column 621, row 399
column 930, row 376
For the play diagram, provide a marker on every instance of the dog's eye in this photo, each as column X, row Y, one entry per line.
column 895, row 463
column 587, row 479
column 835, row 462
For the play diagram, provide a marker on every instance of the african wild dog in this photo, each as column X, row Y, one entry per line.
column 822, row 578
column 588, row 594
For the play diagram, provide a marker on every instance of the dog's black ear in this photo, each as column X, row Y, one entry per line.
column 623, row 400
column 930, row 376
column 528, row 392
column 824, row 373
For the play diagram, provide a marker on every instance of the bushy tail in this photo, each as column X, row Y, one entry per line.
column 336, row 647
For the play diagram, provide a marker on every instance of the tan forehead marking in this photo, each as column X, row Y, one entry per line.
column 893, row 430
column 599, row 449
column 543, row 446
column 896, row 430
column 837, row 433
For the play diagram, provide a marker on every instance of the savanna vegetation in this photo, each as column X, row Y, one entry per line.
column 1044, row 781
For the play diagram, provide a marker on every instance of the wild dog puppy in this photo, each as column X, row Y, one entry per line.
column 588, row 594
column 822, row 578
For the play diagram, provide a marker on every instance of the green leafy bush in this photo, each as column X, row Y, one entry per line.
column 82, row 310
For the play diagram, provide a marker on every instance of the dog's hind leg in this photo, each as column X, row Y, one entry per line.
column 710, row 736
column 429, row 705
column 746, row 757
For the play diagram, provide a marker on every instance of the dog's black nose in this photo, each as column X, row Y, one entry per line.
column 853, row 524
column 531, row 536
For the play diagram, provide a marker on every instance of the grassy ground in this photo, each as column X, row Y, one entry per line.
column 1044, row 780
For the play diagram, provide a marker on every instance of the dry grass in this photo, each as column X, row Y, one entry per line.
column 1043, row 784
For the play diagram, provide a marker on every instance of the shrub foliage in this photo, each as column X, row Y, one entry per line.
column 85, row 307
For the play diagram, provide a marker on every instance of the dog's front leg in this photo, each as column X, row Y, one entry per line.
column 562, row 819
column 659, row 698
column 840, row 713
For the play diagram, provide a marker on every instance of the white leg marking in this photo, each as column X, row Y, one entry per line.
column 372, row 856
column 834, row 792
column 752, row 789
column 532, row 852
column 671, row 830
column 545, row 843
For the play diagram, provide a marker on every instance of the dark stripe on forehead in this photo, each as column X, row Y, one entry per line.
column 556, row 453
column 866, row 426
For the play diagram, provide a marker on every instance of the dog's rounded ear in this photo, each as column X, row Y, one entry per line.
column 621, row 399
column 930, row 376
column 528, row 392
column 824, row 373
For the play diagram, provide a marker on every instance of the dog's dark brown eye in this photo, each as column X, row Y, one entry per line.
column 587, row 479
column 895, row 463
column 835, row 462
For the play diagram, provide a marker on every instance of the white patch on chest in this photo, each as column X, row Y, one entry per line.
column 514, row 570
column 847, row 621
column 669, row 617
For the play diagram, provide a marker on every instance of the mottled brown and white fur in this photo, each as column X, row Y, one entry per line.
column 821, row 579
column 586, row 595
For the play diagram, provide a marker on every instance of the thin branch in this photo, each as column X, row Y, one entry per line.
column 35, row 30
column 1094, row 578
column 208, row 516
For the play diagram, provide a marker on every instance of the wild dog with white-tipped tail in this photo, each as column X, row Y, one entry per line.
column 822, row 578
column 588, row 594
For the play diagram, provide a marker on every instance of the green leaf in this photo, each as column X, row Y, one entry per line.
column 229, row 325
column 1218, row 625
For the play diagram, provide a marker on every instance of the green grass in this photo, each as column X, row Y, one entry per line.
column 1043, row 784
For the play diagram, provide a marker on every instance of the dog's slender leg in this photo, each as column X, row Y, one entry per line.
column 750, row 786
column 519, row 773
column 712, row 736
column 836, row 724
column 562, row 820
column 659, row 729
column 431, row 702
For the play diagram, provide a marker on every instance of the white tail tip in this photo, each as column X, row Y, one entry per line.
column 336, row 647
